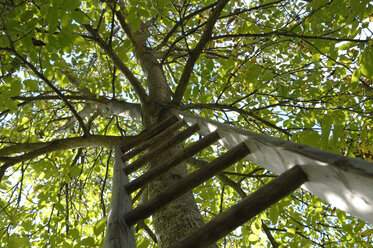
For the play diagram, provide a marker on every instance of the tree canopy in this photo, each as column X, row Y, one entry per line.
column 78, row 78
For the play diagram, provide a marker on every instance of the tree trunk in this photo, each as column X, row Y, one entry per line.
column 181, row 216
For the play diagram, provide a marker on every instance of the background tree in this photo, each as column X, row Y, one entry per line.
column 79, row 77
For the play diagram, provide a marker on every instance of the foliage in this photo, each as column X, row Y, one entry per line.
column 298, row 70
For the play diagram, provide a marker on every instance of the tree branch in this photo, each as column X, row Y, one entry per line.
column 118, row 63
column 41, row 76
column 58, row 92
column 180, row 22
column 287, row 34
column 34, row 150
column 223, row 107
column 105, row 106
column 188, row 69
column 64, row 144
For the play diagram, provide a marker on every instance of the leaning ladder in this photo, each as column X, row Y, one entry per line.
column 160, row 138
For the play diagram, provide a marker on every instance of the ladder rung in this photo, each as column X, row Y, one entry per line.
column 186, row 184
column 249, row 207
column 161, row 148
column 150, row 133
column 175, row 160
column 155, row 139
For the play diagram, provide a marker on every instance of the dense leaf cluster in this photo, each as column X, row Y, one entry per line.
column 299, row 70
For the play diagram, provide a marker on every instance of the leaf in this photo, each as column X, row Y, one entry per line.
column 10, row 105
column 70, row 4
column 274, row 214
column 268, row 75
column 15, row 87
column 80, row 17
column 59, row 206
column 52, row 19
column 367, row 233
column 4, row 41
column 31, row 84
column 75, row 171
column 253, row 238
column 355, row 76
column 74, row 233
column 133, row 19
column 366, row 64
column 100, row 226
column 291, row 230
column 87, row 241
column 144, row 243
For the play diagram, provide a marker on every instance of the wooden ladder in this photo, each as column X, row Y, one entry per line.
column 161, row 138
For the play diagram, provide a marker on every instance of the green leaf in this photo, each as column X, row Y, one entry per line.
column 74, row 233
column 75, row 171
column 80, row 17
column 52, row 19
column 100, row 226
column 10, row 105
column 4, row 41
column 70, row 4
column 133, row 19
column 87, row 241
column 366, row 64
column 15, row 87
column 59, row 206
column 268, row 75
column 367, row 233
column 31, row 84
column 355, row 76
column 274, row 214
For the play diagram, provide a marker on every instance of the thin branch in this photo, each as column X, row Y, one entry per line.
column 269, row 235
column 222, row 107
column 42, row 77
column 136, row 41
column 287, row 34
column 63, row 144
column 180, row 22
column 55, row 89
column 118, row 62
column 34, row 150
column 205, row 38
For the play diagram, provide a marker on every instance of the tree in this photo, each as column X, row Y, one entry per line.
column 80, row 77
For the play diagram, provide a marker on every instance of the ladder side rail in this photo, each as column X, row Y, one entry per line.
column 118, row 232
column 247, row 208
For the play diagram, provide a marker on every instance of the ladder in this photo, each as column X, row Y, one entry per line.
column 167, row 134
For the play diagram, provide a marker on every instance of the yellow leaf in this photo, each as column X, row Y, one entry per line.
column 253, row 237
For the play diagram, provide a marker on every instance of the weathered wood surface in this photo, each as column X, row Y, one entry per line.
column 118, row 233
column 186, row 184
column 175, row 160
column 166, row 134
column 249, row 207
column 345, row 182
column 161, row 148
column 149, row 133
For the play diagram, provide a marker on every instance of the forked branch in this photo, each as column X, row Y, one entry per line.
column 118, row 63
column 188, row 69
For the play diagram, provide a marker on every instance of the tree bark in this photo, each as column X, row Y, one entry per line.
column 182, row 216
